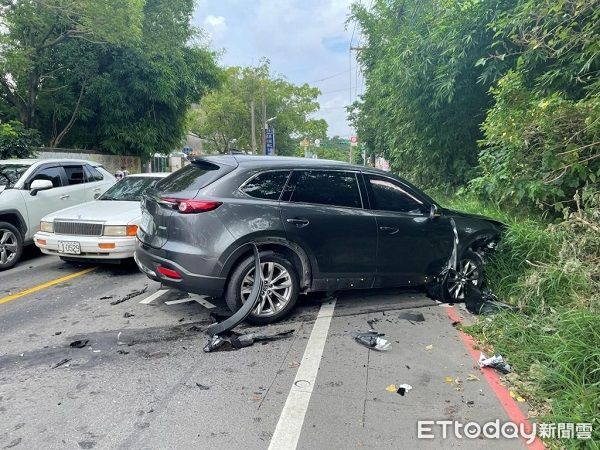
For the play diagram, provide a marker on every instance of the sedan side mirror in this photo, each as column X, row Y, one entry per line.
column 434, row 212
column 40, row 185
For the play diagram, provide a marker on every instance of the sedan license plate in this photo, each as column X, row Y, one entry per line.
column 71, row 248
column 146, row 223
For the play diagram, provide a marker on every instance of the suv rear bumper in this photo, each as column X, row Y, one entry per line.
column 148, row 262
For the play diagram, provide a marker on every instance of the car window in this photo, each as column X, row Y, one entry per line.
column 326, row 188
column 389, row 195
column 129, row 189
column 49, row 173
column 192, row 177
column 75, row 174
column 267, row 185
column 92, row 174
column 10, row 174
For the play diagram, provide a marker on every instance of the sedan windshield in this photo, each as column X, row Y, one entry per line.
column 10, row 174
column 129, row 189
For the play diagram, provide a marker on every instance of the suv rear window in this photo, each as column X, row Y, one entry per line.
column 267, row 185
column 192, row 177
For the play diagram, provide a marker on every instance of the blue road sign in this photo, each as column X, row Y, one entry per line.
column 270, row 141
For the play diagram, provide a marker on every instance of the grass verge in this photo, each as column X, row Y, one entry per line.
column 551, row 271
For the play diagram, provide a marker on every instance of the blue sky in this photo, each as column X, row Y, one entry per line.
column 305, row 40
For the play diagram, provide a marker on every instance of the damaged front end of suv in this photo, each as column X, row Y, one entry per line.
column 471, row 249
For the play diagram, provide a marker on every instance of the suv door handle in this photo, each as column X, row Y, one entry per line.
column 299, row 221
column 62, row 197
column 389, row 230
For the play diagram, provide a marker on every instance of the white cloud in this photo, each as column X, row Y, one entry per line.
column 303, row 39
column 216, row 27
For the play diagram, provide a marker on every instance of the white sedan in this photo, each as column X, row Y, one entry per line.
column 104, row 229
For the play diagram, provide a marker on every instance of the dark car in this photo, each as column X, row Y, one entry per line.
column 319, row 225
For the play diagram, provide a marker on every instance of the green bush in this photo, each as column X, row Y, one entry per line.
column 16, row 141
column 551, row 272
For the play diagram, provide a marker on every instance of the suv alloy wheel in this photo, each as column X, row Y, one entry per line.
column 279, row 291
column 470, row 270
column 11, row 245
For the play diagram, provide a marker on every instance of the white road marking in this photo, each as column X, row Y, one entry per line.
column 290, row 423
column 154, row 296
column 202, row 300
column 176, row 302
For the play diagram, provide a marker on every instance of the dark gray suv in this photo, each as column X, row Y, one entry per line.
column 319, row 225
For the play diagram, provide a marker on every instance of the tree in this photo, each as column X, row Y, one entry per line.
column 225, row 116
column 542, row 136
column 115, row 76
column 424, row 99
column 17, row 141
column 37, row 31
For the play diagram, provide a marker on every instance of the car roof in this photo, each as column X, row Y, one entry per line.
column 148, row 175
column 260, row 161
column 30, row 161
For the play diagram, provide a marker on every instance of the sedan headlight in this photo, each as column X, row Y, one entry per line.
column 120, row 230
column 47, row 227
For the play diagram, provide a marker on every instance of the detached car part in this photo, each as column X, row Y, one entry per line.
column 242, row 313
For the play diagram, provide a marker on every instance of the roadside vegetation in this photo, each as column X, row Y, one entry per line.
column 551, row 272
column 114, row 76
column 497, row 105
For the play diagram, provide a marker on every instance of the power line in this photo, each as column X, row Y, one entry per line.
column 329, row 77
column 334, row 91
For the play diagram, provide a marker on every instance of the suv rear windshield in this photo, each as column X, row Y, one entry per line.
column 10, row 174
column 192, row 177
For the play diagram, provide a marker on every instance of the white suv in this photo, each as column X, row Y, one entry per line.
column 32, row 188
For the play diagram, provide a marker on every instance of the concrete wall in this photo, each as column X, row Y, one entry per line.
column 112, row 163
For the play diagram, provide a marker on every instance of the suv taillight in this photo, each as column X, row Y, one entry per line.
column 189, row 206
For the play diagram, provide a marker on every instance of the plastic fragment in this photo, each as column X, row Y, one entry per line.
column 214, row 343
column 241, row 314
column 61, row 363
column 472, row 377
column 371, row 339
column 79, row 343
column 246, row 340
column 497, row 362
column 403, row 389
column 429, row 347
column 484, row 302
column 130, row 296
column 400, row 389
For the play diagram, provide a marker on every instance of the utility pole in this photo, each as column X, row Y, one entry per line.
column 357, row 49
column 264, row 122
column 253, row 127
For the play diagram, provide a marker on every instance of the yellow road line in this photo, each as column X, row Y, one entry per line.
column 42, row 286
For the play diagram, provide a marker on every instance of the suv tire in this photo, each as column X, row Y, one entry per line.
column 282, row 283
column 10, row 238
column 469, row 270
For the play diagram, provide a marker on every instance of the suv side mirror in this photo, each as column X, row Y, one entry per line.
column 39, row 185
column 434, row 212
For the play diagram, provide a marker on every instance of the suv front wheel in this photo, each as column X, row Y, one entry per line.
column 11, row 245
column 279, row 291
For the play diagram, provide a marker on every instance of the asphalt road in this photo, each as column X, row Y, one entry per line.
column 143, row 381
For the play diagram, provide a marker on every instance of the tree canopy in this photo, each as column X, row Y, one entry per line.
column 224, row 116
column 500, row 94
column 113, row 76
